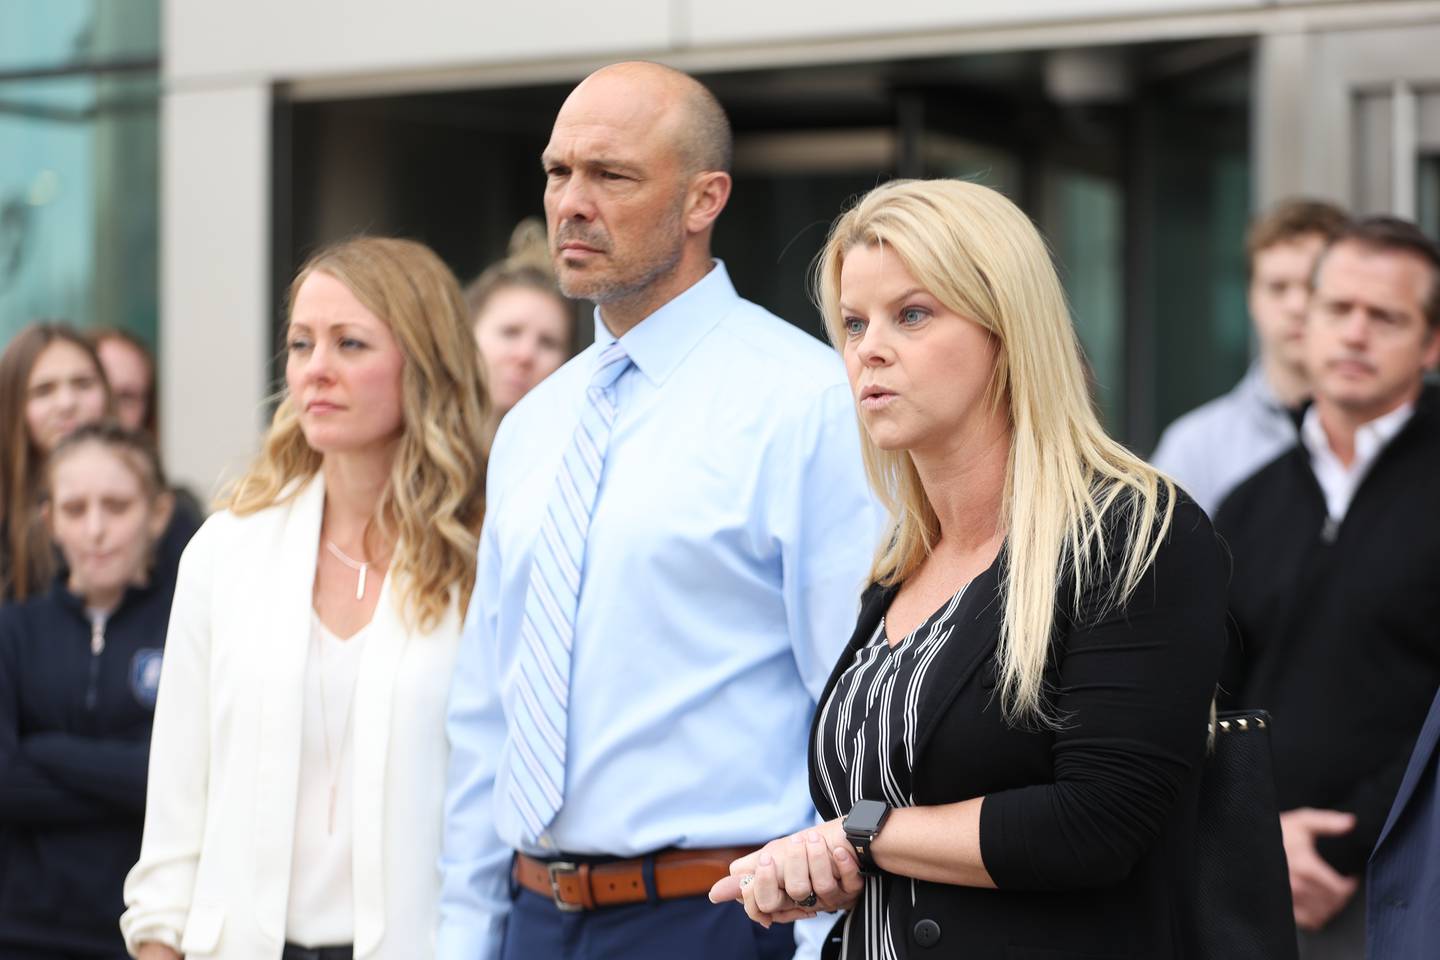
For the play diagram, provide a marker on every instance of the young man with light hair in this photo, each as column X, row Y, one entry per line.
column 1212, row 448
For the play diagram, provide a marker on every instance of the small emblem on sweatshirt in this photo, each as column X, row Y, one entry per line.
column 145, row 675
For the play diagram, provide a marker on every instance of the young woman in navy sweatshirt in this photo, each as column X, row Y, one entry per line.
column 79, row 668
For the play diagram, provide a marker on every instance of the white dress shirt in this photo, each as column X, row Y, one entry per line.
column 731, row 536
column 1337, row 481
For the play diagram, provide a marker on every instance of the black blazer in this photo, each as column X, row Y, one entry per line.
column 1086, row 830
column 1336, row 628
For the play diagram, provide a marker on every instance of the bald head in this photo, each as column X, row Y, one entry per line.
column 665, row 100
column 635, row 176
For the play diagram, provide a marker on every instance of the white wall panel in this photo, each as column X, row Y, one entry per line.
column 749, row 21
column 288, row 39
column 215, row 311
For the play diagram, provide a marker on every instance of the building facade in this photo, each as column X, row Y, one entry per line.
column 1139, row 133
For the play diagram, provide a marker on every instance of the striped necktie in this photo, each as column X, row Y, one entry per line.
column 537, row 782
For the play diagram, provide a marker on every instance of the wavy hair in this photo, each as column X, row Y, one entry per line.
column 434, row 502
column 27, row 557
column 1066, row 482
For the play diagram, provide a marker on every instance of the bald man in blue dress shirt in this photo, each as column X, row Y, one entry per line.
column 678, row 529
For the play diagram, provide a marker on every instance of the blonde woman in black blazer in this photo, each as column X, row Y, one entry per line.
column 1007, row 755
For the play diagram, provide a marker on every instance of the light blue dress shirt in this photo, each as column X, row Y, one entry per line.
column 1216, row 447
column 731, row 537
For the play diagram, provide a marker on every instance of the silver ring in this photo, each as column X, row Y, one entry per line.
column 808, row 902
column 746, row 880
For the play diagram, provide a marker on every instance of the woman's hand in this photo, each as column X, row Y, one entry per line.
column 795, row 877
column 151, row 950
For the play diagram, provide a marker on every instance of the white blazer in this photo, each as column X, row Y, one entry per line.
column 214, row 867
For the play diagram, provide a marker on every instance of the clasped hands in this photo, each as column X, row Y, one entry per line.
column 1318, row 890
column 774, row 881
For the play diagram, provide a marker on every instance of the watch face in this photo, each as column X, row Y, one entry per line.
column 865, row 817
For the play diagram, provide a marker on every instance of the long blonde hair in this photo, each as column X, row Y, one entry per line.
column 432, row 507
column 1066, row 482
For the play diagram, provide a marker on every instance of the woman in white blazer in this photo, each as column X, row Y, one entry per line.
column 298, row 759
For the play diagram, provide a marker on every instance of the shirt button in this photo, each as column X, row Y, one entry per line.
column 546, row 842
column 927, row 933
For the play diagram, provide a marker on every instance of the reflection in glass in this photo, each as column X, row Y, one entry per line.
column 78, row 163
column 45, row 35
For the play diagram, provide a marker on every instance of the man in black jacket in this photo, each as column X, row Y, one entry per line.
column 1336, row 585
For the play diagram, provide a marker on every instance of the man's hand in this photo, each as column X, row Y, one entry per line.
column 1318, row 890
column 156, row 951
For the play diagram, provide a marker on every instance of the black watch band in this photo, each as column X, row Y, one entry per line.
column 862, row 825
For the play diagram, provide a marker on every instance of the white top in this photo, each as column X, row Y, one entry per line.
column 1337, row 481
column 213, row 877
column 322, row 902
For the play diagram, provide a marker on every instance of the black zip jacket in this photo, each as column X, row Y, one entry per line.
column 76, row 706
column 1338, row 626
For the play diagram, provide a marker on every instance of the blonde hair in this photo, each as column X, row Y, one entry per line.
column 1066, row 483
column 432, row 507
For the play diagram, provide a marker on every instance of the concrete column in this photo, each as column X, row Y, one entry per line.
column 215, row 313
column 1280, row 102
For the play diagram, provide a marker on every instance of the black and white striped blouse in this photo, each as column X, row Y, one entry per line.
column 865, row 748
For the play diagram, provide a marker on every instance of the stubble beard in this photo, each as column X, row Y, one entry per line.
column 629, row 282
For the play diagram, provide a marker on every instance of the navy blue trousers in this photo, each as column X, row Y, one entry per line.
column 692, row 928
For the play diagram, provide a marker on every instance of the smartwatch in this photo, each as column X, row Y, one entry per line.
column 862, row 826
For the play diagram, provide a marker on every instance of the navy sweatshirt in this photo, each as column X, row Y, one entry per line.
column 76, row 708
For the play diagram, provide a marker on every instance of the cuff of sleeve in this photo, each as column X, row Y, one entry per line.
column 152, row 934
column 999, row 841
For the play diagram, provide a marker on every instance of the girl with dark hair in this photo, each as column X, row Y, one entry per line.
column 130, row 369
column 79, row 668
column 51, row 382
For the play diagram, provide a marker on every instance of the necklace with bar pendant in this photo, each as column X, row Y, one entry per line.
column 334, row 757
column 359, row 566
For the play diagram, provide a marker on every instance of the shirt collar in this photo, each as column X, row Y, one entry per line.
column 60, row 590
column 658, row 343
column 1370, row 438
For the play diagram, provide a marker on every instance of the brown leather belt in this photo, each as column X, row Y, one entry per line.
column 585, row 886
